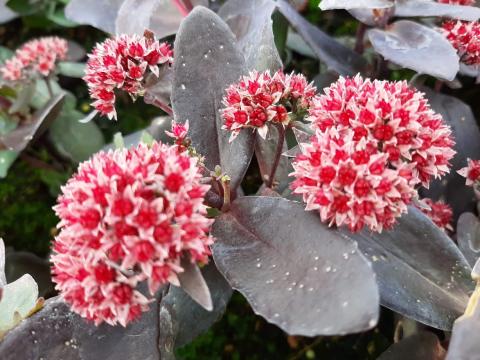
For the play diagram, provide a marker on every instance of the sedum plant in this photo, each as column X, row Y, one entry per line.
column 348, row 217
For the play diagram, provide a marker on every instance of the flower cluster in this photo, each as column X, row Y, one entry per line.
column 35, row 57
column 179, row 134
column 128, row 217
column 260, row 98
column 373, row 143
column 123, row 63
column 440, row 213
column 458, row 2
column 465, row 38
column 471, row 172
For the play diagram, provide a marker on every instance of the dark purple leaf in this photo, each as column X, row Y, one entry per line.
column 295, row 271
column 56, row 333
column 414, row 8
column 357, row 4
column 335, row 55
column 466, row 133
column 159, row 89
column 421, row 273
column 421, row 346
column 207, row 61
column 468, row 237
column 417, row 47
column 184, row 319
column 193, row 283
column 251, row 22
column 19, row 138
column 99, row 14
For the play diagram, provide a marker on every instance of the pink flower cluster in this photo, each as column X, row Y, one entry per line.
column 374, row 142
column 458, row 2
column 260, row 98
column 440, row 213
column 35, row 57
column 127, row 218
column 179, row 134
column 123, row 63
column 471, row 172
column 465, row 38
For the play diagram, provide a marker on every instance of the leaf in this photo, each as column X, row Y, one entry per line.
column 357, row 4
column 18, row 299
column 251, row 22
column 3, row 279
column 416, row 47
column 6, row 14
column 468, row 237
column 99, row 14
column 76, row 52
column 335, row 55
column 466, row 133
column 420, row 271
column 297, row 44
column 73, row 139
column 185, row 317
column 6, row 124
column 298, row 274
column 42, row 96
column 18, row 139
column 161, row 17
column 193, row 283
column 206, row 62
column 422, row 346
column 57, row 333
column 159, row 89
column 22, row 100
column 414, row 8
column 7, row 157
column 5, row 53
column 71, row 69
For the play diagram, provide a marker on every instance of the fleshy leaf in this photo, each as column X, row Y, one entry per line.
column 193, row 283
column 357, row 4
column 71, row 69
column 416, row 8
column 466, row 134
column 468, row 237
column 298, row 274
column 185, row 318
column 6, row 14
column 3, row 279
column 207, row 61
column 99, row 14
column 417, row 47
column 335, row 55
column 18, row 300
column 421, row 346
column 420, row 271
column 18, row 139
column 251, row 22
column 7, row 158
column 73, row 139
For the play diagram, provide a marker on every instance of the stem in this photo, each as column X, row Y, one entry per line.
column 359, row 42
column 438, row 85
column 49, row 87
column 163, row 106
column 278, row 154
column 181, row 7
column 226, row 194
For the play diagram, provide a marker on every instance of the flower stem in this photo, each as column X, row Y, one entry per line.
column 183, row 8
column 226, row 193
column 360, row 36
column 278, row 154
column 163, row 106
column 49, row 86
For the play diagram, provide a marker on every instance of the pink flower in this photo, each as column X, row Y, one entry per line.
column 373, row 143
column 35, row 57
column 465, row 38
column 471, row 172
column 126, row 218
column 123, row 63
column 178, row 133
column 260, row 98
column 440, row 213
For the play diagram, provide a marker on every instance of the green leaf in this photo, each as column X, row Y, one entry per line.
column 18, row 301
column 58, row 17
column 71, row 69
column 7, row 157
column 75, row 140
column 118, row 141
column 5, row 53
column 147, row 138
column 23, row 99
column 24, row 7
column 6, row 124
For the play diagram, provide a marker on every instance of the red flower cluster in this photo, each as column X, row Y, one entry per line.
column 465, row 38
column 123, row 63
column 458, row 2
column 440, row 213
column 260, row 98
column 471, row 172
column 179, row 134
column 35, row 57
column 374, row 142
column 127, row 217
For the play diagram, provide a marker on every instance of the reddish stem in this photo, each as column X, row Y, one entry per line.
column 163, row 106
column 278, row 154
column 183, row 8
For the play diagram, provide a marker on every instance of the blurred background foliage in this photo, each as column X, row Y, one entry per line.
column 27, row 222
